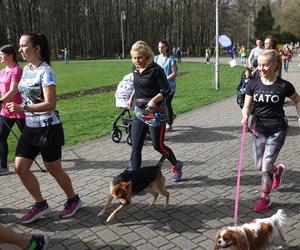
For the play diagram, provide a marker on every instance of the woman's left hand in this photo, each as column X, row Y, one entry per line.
column 13, row 107
column 151, row 104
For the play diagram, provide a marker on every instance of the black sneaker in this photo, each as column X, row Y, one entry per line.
column 38, row 242
column 4, row 171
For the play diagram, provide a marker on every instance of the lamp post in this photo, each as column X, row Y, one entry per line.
column 123, row 18
column 248, row 33
column 217, row 76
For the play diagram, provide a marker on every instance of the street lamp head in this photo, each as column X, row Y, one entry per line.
column 123, row 15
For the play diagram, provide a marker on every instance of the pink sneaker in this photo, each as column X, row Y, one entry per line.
column 71, row 207
column 177, row 171
column 262, row 204
column 35, row 213
column 278, row 177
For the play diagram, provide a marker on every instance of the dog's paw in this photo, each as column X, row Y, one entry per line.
column 101, row 213
column 284, row 246
column 109, row 218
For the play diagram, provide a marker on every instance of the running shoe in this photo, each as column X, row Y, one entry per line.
column 168, row 128
column 4, row 171
column 177, row 171
column 263, row 204
column 71, row 207
column 38, row 242
column 38, row 210
column 278, row 176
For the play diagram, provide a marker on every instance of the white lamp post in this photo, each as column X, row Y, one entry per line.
column 248, row 33
column 123, row 17
column 217, row 78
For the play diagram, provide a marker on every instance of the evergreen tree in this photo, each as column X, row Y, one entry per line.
column 264, row 21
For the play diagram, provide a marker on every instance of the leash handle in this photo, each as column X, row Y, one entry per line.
column 236, row 206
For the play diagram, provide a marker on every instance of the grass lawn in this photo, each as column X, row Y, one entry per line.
column 90, row 117
column 89, row 74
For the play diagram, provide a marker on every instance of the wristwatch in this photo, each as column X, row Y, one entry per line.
column 25, row 108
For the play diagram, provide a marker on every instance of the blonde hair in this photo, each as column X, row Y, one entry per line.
column 271, row 54
column 142, row 48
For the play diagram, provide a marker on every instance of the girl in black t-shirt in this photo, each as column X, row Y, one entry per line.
column 265, row 97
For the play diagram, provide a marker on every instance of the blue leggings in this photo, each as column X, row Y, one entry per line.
column 286, row 65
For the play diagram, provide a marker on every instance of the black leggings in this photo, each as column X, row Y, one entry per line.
column 169, row 109
column 138, row 133
column 6, row 125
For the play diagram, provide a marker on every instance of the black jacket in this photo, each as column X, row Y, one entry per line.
column 150, row 82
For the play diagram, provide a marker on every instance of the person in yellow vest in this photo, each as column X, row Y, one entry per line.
column 243, row 54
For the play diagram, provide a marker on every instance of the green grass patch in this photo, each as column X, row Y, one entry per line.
column 90, row 117
column 83, row 75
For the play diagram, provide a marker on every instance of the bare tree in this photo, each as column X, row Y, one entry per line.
column 91, row 28
column 288, row 16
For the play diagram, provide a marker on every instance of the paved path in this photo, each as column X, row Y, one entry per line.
column 207, row 140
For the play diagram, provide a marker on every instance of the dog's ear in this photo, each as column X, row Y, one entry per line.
column 126, row 184
column 114, row 188
column 218, row 235
column 216, row 247
column 241, row 241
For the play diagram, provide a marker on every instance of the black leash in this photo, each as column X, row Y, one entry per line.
column 10, row 129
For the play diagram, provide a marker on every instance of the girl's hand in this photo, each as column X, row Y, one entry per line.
column 299, row 122
column 244, row 119
column 13, row 107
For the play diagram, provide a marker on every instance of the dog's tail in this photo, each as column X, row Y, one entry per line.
column 280, row 218
column 161, row 160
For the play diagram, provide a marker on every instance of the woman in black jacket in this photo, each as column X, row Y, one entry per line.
column 150, row 88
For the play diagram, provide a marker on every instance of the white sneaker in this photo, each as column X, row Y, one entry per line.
column 168, row 128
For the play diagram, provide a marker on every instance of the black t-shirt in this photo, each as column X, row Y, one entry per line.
column 268, row 100
column 150, row 82
column 140, row 177
column 268, row 103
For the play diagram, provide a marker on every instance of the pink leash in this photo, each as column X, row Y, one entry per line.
column 236, row 207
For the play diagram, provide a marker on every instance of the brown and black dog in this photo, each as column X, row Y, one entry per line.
column 129, row 183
